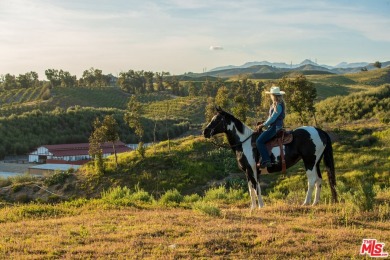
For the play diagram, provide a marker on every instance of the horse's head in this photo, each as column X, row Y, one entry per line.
column 217, row 124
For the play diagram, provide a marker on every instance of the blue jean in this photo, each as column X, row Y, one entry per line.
column 262, row 139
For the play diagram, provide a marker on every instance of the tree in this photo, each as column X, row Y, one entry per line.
column 257, row 97
column 377, row 64
column 173, row 83
column 192, row 89
column 132, row 81
column 107, row 131
column 160, row 80
column 89, row 77
column 111, row 129
column 53, row 76
column 28, row 80
column 10, row 82
column 133, row 119
column 222, row 97
column 207, row 88
column 95, row 142
column 67, row 80
column 241, row 107
column 149, row 81
column 300, row 96
column 210, row 110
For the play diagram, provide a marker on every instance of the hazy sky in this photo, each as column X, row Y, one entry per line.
column 177, row 35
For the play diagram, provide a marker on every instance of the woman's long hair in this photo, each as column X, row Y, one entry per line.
column 278, row 99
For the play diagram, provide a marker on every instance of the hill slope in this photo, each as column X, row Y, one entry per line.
column 98, row 230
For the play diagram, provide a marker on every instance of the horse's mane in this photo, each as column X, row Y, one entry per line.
column 240, row 125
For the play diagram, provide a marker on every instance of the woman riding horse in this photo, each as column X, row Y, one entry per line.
column 277, row 113
column 309, row 144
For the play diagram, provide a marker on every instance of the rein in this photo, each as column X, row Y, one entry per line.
column 231, row 146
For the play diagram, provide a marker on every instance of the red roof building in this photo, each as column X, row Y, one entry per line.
column 71, row 153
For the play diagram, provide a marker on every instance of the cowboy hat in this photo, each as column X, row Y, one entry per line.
column 275, row 91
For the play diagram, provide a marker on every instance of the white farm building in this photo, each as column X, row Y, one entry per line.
column 71, row 153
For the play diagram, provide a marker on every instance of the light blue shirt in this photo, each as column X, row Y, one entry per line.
column 275, row 114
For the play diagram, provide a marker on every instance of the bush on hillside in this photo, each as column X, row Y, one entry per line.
column 362, row 105
column 171, row 198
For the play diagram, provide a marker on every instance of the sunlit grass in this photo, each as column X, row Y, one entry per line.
column 88, row 229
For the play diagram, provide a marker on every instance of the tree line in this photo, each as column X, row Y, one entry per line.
column 23, row 133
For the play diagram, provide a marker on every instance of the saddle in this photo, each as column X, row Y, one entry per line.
column 282, row 137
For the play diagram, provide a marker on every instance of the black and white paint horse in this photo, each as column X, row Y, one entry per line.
column 309, row 144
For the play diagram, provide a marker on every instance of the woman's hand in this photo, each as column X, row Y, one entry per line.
column 259, row 126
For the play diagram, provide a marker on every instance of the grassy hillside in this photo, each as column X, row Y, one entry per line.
column 332, row 85
column 183, row 164
column 374, row 103
column 158, row 221
column 103, row 230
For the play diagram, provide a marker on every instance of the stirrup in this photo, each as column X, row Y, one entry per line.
column 264, row 165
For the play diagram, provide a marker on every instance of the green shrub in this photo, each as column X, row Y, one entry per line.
column 383, row 136
column 358, row 190
column 207, row 208
column 141, row 195
column 192, row 198
column 41, row 211
column 171, row 197
column 77, row 203
column 125, row 196
column 22, row 198
column 22, row 178
column 115, row 193
column 384, row 211
column 17, row 187
column 5, row 182
column 59, row 177
column 217, row 193
column 222, row 194
column 276, row 195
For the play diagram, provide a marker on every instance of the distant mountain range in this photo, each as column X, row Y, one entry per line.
column 342, row 65
column 266, row 69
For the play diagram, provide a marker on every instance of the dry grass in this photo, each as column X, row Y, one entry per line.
column 279, row 231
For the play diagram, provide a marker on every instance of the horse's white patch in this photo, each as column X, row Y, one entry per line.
column 315, row 137
column 276, row 152
column 231, row 126
column 312, row 175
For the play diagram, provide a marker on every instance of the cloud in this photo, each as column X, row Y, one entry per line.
column 216, row 48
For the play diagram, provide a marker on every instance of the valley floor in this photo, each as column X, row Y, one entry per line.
column 278, row 231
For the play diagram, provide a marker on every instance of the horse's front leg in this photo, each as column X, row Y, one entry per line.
column 252, row 193
column 311, row 181
column 318, row 191
column 254, row 189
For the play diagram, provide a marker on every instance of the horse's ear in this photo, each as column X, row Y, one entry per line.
column 218, row 108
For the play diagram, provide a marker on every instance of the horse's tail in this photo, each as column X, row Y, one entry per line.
column 329, row 164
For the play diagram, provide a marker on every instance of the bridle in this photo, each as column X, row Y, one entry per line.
column 224, row 130
column 224, row 126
